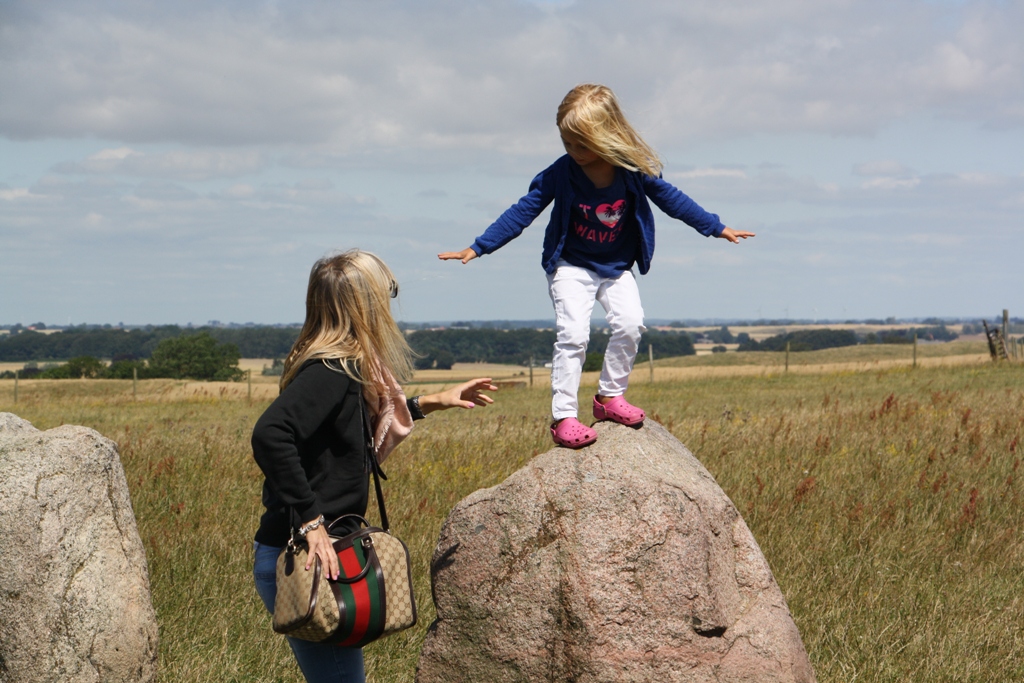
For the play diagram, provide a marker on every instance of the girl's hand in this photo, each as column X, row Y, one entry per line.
column 466, row 395
column 734, row 236
column 466, row 255
column 320, row 546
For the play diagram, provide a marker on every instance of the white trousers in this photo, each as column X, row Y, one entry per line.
column 573, row 292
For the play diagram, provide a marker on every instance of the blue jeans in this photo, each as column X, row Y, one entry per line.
column 319, row 663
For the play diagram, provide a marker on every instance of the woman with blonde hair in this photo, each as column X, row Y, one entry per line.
column 601, row 226
column 310, row 442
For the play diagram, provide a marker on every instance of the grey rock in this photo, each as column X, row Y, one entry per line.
column 74, row 586
column 620, row 562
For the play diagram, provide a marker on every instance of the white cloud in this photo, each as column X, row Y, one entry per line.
column 191, row 164
column 891, row 183
column 360, row 76
column 887, row 183
column 241, row 141
column 882, row 168
column 711, row 173
column 112, row 155
column 239, row 191
column 10, row 195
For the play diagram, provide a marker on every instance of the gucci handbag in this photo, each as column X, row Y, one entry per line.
column 372, row 596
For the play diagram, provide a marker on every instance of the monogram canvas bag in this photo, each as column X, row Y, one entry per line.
column 371, row 598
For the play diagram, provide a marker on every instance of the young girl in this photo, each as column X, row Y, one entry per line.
column 310, row 442
column 601, row 225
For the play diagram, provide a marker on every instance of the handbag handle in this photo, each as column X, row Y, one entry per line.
column 378, row 473
column 330, row 525
column 367, row 544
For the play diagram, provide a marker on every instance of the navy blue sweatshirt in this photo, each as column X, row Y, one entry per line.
column 555, row 184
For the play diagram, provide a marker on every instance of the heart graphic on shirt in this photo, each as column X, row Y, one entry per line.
column 611, row 214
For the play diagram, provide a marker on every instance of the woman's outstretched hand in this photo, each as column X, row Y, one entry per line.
column 466, row 395
column 734, row 236
column 320, row 546
column 466, row 255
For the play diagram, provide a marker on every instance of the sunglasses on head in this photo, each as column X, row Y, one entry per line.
column 394, row 289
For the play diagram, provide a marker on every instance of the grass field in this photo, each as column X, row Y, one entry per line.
column 886, row 500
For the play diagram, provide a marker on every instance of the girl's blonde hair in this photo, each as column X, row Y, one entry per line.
column 591, row 113
column 348, row 319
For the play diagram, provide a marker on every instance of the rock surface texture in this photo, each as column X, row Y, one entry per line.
column 74, row 588
column 620, row 562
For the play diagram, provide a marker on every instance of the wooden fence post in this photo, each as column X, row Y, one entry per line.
column 996, row 350
column 915, row 349
column 135, row 383
column 787, row 356
column 248, row 377
column 16, row 373
column 531, row 371
column 1006, row 323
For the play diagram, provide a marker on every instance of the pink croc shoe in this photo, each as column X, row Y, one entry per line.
column 618, row 410
column 571, row 433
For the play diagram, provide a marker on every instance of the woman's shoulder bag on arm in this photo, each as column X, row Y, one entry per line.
column 372, row 596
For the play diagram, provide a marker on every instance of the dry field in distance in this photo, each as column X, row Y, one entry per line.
column 886, row 499
column 746, row 364
column 760, row 332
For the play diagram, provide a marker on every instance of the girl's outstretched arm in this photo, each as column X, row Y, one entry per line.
column 734, row 236
column 466, row 255
column 466, row 395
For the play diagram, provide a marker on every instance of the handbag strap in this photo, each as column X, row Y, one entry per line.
column 371, row 456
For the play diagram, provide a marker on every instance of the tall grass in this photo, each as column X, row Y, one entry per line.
column 887, row 503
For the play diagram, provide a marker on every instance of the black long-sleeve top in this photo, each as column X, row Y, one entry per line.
column 312, row 448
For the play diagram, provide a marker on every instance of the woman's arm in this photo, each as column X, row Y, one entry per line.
column 466, row 395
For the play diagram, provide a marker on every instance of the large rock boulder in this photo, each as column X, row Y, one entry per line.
column 74, row 588
column 620, row 562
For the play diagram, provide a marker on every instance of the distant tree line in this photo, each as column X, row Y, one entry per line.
column 720, row 336
column 213, row 353
column 441, row 348
column 131, row 349
column 801, row 340
column 936, row 333
column 814, row 340
column 193, row 356
column 136, row 344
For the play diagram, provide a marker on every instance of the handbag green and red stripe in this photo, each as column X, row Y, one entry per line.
column 361, row 601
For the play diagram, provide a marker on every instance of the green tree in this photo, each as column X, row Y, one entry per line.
column 122, row 369
column 80, row 367
column 86, row 367
column 445, row 360
column 804, row 340
column 195, row 356
column 720, row 336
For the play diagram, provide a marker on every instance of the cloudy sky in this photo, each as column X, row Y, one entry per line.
column 188, row 161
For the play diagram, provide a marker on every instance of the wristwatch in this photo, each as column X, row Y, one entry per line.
column 414, row 408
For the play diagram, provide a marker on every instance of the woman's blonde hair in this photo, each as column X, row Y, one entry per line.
column 591, row 113
column 348, row 319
